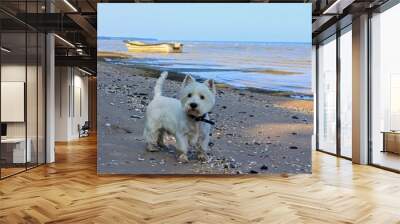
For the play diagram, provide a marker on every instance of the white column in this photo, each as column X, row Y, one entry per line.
column 314, row 90
column 360, row 90
column 50, row 99
column 63, row 99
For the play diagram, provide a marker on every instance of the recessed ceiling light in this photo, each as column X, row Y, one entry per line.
column 5, row 50
column 70, row 5
column 64, row 40
column 84, row 71
column 337, row 7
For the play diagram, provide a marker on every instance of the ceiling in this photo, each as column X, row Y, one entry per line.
column 75, row 21
column 332, row 15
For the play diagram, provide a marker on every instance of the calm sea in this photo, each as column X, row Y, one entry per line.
column 269, row 66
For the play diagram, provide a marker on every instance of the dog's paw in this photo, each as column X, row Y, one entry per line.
column 202, row 156
column 183, row 158
column 152, row 148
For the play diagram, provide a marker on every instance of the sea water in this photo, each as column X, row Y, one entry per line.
column 266, row 66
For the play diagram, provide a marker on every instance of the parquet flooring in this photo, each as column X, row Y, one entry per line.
column 69, row 191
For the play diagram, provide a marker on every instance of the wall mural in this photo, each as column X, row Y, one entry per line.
column 204, row 88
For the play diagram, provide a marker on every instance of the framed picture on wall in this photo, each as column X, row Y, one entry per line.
column 12, row 101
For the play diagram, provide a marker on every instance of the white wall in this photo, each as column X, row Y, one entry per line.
column 70, row 83
column 62, row 82
column 81, row 94
column 13, row 72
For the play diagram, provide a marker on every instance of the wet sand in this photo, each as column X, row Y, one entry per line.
column 255, row 132
column 112, row 55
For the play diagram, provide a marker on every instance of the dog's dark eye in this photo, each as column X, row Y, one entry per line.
column 202, row 97
column 189, row 95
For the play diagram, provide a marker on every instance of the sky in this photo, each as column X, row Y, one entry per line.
column 207, row 22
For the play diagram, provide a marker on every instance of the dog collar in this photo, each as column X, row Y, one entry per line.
column 202, row 119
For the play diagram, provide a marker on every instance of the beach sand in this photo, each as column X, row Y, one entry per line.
column 255, row 132
column 112, row 55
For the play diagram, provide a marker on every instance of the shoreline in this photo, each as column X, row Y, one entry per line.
column 287, row 101
column 113, row 56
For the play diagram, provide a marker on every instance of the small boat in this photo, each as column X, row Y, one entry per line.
column 137, row 46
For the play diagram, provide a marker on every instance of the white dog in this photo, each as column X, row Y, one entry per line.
column 186, row 119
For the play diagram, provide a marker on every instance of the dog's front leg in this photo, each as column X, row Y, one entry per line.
column 182, row 147
column 193, row 139
column 202, row 148
column 203, row 141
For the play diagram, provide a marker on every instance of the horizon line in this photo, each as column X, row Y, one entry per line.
column 253, row 41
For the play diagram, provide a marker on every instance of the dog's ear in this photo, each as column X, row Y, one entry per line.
column 188, row 79
column 211, row 85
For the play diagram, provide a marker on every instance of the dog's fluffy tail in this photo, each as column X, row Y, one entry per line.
column 159, row 84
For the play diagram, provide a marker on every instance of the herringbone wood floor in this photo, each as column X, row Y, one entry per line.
column 69, row 191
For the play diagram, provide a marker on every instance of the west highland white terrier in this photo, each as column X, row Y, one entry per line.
column 186, row 119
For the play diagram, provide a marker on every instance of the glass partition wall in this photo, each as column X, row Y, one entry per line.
column 13, row 89
column 345, row 92
column 334, row 93
column 385, row 89
column 22, row 77
column 327, row 96
column 334, row 90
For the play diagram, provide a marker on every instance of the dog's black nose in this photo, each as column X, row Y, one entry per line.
column 193, row 105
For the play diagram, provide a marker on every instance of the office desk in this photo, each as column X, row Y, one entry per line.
column 16, row 147
column 391, row 141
